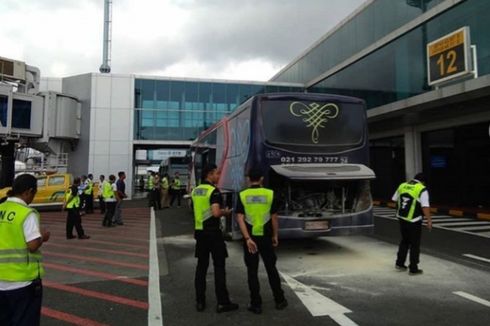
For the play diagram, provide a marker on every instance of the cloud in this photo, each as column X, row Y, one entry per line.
column 229, row 39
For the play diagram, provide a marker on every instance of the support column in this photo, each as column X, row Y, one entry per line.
column 413, row 152
column 7, row 174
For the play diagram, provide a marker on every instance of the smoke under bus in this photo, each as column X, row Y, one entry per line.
column 313, row 149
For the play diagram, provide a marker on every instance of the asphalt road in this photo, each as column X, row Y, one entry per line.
column 335, row 280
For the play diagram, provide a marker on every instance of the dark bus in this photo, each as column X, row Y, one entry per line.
column 313, row 149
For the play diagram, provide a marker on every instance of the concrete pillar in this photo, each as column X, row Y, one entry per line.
column 413, row 152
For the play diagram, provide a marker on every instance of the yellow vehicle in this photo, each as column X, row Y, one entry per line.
column 51, row 189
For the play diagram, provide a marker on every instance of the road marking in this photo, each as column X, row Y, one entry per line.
column 69, row 318
column 85, row 248
column 154, row 295
column 477, row 257
column 473, row 298
column 318, row 304
column 97, row 260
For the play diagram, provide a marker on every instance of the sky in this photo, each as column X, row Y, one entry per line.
column 222, row 39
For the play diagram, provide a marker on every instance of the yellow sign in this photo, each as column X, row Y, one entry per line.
column 448, row 42
column 314, row 115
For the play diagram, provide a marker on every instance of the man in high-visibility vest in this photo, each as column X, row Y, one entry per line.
column 88, row 193
column 109, row 193
column 412, row 206
column 21, row 266
column 101, row 198
column 72, row 206
column 175, row 189
column 165, row 191
column 257, row 217
column 207, row 202
column 150, row 187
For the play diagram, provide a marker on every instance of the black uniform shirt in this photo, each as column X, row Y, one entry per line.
column 213, row 223
column 240, row 209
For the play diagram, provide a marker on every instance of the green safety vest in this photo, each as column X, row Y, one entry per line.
column 17, row 263
column 257, row 203
column 89, row 188
column 408, row 193
column 201, row 196
column 150, row 183
column 165, row 183
column 74, row 202
column 107, row 191
column 176, row 184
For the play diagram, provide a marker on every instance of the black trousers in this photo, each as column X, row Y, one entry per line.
column 110, row 208
column 89, row 203
column 411, row 234
column 266, row 251
column 21, row 307
column 175, row 194
column 101, row 205
column 73, row 219
column 213, row 244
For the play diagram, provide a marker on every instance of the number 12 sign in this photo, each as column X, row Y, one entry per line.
column 449, row 56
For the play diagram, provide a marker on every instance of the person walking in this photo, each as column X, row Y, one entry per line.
column 21, row 268
column 72, row 206
column 89, row 194
column 175, row 190
column 101, row 198
column 257, row 217
column 412, row 199
column 109, row 194
column 165, row 197
column 207, row 202
column 120, row 195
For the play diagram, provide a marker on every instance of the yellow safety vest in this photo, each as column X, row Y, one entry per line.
column 165, row 183
column 17, row 263
column 74, row 202
column 176, row 184
column 408, row 194
column 90, row 186
column 257, row 203
column 107, row 192
column 201, row 196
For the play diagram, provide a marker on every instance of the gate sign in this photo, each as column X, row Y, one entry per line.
column 449, row 56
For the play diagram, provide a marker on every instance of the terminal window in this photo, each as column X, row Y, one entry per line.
column 21, row 114
column 3, row 110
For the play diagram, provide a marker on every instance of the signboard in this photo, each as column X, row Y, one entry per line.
column 161, row 154
column 449, row 56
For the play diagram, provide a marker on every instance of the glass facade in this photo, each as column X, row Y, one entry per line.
column 371, row 24
column 398, row 70
column 179, row 110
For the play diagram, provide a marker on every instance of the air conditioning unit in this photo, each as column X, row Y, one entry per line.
column 12, row 69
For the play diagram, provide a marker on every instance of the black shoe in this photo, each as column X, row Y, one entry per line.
column 255, row 309
column 402, row 268
column 120, row 223
column 200, row 306
column 416, row 272
column 281, row 305
column 226, row 307
column 83, row 237
column 70, row 237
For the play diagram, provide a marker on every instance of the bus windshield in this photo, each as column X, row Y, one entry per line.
column 308, row 123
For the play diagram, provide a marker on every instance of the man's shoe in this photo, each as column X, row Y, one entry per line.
column 281, row 305
column 120, row 223
column 416, row 272
column 402, row 268
column 70, row 237
column 255, row 309
column 226, row 307
column 200, row 306
column 84, row 237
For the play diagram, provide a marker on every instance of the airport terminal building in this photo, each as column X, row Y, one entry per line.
column 422, row 66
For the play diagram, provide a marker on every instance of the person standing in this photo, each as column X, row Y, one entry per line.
column 21, row 268
column 412, row 200
column 120, row 195
column 257, row 217
column 207, row 202
column 101, row 198
column 109, row 194
column 72, row 206
column 150, row 186
column 156, row 191
column 175, row 189
column 165, row 199
column 81, row 191
column 89, row 194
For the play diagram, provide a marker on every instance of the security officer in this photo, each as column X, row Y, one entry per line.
column 257, row 217
column 72, row 206
column 109, row 194
column 21, row 266
column 164, row 191
column 412, row 205
column 175, row 189
column 207, row 203
column 89, row 194
column 150, row 186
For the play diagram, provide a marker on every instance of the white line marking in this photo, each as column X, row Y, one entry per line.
column 475, row 223
column 477, row 257
column 473, row 298
column 317, row 304
column 154, row 296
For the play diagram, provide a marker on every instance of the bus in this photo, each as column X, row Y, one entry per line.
column 313, row 149
column 171, row 165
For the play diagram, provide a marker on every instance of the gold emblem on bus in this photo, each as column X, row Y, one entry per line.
column 314, row 115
